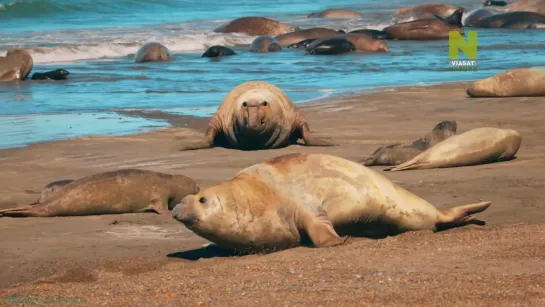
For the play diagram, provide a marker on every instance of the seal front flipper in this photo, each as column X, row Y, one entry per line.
column 310, row 140
column 319, row 228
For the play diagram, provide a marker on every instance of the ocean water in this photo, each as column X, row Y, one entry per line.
column 96, row 40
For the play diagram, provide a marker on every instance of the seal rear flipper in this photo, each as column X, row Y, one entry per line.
column 460, row 216
column 320, row 229
column 27, row 211
column 411, row 164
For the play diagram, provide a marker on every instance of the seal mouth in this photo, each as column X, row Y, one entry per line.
column 188, row 220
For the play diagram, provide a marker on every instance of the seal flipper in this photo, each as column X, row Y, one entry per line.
column 208, row 142
column 460, row 216
column 320, row 229
column 310, row 140
column 26, row 211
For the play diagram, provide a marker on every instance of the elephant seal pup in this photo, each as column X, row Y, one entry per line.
column 256, row 26
column 518, row 82
column 281, row 203
column 474, row 17
column 217, row 51
column 363, row 43
column 117, row 192
column 376, row 34
column 16, row 65
column 331, row 46
column 57, row 74
column 336, row 13
column 422, row 29
column 300, row 35
column 256, row 115
column 442, row 10
column 265, row 43
column 513, row 20
column 153, row 52
column 477, row 146
column 398, row 153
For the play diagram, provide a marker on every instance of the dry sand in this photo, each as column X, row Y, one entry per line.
column 152, row 260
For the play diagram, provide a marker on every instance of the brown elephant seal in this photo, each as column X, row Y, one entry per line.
column 265, row 43
column 16, row 65
column 442, row 10
column 300, row 35
column 477, row 146
column 256, row 26
column 474, row 17
column 117, row 192
column 256, row 115
column 513, row 20
column 282, row 203
column 362, row 42
column 422, row 29
column 336, row 13
column 398, row 153
column 518, row 82
column 153, row 52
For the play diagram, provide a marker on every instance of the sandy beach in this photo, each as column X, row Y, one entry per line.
column 152, row 260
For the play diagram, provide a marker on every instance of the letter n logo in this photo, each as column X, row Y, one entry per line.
column 457, row 42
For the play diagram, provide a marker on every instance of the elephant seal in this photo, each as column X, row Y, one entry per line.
column 455, row 19
column 303, row 43
column 442, row 10
column 16, row 65
column 256, row 115
column 398, row 153
column 376, row 34
column 331, row 46
column 57, row 74
column 336, row 13
column 474, row 17
column 518, row 82
column 116, row 192
column 422, row 29
column 217, row 51
column 513, row 20
column 477, row 146
column 256, row 26
column 265, row 43
column 300, row 35
column 363, row 43
column 537, row 6
column 153, row 52
column 494, row 3
column 284, row 202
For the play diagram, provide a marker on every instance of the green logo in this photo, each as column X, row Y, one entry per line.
column 456, row 42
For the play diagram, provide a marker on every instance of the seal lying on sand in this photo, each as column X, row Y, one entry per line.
column 16, row 65
column 363, row 43
column 256, row 115
column 477, row 146
column 422, row 29
column 300, row 35
column 153, row 52
column 284, row 202
column 57, row 74
column 217, row 51
column 398, row 153
column 123, row 191
column 330, row 46
column 442, row 10
column 336, row 13
column 518, row 82
column 265, row 43
column 256, row 26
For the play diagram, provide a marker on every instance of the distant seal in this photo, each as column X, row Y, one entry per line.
column 217, row 51
column 477, row 146
column 16, row 65
column 153, row 52
column 442, row 10
column 336, row 13
column 474, row 17
column 284, row 202
column 302, row 44
column 363, row 43
column 422, row 29
column 256, row 26
column 57, row 74
column 513, row 20
column 116, row 192
column 265, row 43
column 398, row 153
column 376, row 34
column 537, row 6
column 331, row 46
column 494, row 3
column 518, row 82
column 300, row 35
column 256, row 115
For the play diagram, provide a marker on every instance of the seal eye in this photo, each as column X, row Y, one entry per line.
column 202, row 200
column 265, row 103
column 244, row 104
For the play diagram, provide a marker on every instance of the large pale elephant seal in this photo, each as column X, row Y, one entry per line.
column 422, row 29
column 265, row 43
column 442, row 10
column 57, row 74
column 519, row 82
column 256, row 26
column 477, row 146
column 513, row 20
column 284, row 202
column 363, row 43
column 217, row 51
column 331, row 46
column 398, row 153
column 256, row 115
column 473, row 18
column 300, row 35
column 336, row 13
column 153, row 52
column 16, row 65
column 116, row 192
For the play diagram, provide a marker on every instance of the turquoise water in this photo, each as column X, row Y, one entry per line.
column 96, row 39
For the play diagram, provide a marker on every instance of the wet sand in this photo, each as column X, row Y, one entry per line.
column 149, row 259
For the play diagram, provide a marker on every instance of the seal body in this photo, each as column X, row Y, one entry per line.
column 422, row 29
column 16, row 65
column 537, row 6
column 217, row 51
column 442, row 10
column 302, row 44
column 300, row 35
column 335, row 45
column 153, row 52
column 474, row 17
column 513, row 20
column 284, row 202
column 336, row 13
column 398, row 153
column 265, row 43
column 376, row 34
column 363, row 43
column 57, row 74
column 256, row 26
column 256, row 115
column 123, row 191
column 477, row 146
column 518, row 82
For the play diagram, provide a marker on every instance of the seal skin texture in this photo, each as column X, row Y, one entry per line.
column 398, row 153
column 256, row 26
column 57, row 74
column 336, row 13
column 335, row 45
column 265, row 43
column 153, row 52
column 116, row 192
column 422, row 29
column 301, row 199
column 519, row 82
column 477, row 146
column 256, row 115
column 217, row 51
column 362, row 42
column 16, row 65
column 300, row 35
